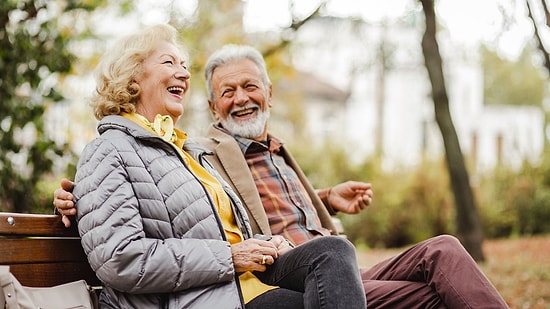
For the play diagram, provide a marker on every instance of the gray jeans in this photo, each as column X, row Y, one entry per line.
column 324, row 270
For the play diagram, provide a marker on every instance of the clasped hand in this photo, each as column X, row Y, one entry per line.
column 255, row 255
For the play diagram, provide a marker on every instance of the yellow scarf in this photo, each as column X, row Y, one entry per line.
column 162, row 126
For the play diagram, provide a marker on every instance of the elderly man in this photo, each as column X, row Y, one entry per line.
column 436, row 273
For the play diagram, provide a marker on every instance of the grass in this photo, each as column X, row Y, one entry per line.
column 519, row 268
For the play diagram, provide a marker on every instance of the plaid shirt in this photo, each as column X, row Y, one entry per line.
column 287, row 204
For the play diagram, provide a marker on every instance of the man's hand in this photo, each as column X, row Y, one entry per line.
column 350, row 197
column 253, row 255
column 63, row 201
column 281, row 243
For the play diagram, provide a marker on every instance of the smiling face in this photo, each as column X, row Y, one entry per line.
column 163, row 82
column 241, row 99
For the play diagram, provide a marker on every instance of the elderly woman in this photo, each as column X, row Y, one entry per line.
column 159, row 226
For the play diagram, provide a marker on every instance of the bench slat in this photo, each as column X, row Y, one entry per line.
column 34, row 225
column 41, row 252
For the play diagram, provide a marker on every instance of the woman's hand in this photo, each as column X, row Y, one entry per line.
column 254, row 255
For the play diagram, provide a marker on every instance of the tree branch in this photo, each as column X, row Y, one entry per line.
column 537, row 34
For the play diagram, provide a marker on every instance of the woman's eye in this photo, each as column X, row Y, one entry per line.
column 168, row 62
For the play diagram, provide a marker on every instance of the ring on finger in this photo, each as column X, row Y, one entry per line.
column 264, row 259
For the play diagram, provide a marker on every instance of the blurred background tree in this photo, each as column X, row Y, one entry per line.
column 468, row 225
column 507, row 82
column 34, row 40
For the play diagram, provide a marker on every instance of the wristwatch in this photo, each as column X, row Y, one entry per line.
column 262, row 237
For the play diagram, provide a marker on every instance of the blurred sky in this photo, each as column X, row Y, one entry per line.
column 469, row 22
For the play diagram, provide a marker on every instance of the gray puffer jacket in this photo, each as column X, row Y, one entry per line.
column 148, row 226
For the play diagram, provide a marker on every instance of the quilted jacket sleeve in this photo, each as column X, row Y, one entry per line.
column 113, row 237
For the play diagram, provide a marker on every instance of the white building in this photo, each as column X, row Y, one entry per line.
column 350, row 56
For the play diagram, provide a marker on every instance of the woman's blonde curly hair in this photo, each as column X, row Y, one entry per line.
column 116, row 90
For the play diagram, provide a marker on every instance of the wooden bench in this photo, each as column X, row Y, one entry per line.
column 41, row 252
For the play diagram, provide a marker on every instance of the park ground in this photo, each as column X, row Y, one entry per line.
column 519, row 268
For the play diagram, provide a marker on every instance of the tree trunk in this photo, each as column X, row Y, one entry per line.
column 380, row 89
column 468, row 224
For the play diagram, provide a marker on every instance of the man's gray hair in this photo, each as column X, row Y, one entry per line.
column 229, row 53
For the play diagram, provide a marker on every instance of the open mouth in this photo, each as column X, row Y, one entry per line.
column 244, row 112
column 176, row 90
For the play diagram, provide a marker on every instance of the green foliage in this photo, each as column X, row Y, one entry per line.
column 507, row 82
column 34, row 58
column 327, row 165
column 412, row 204
column 516, row 202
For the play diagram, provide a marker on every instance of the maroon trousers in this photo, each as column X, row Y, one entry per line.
column 436, row 273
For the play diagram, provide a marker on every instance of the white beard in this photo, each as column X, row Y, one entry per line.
column 252, row 128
